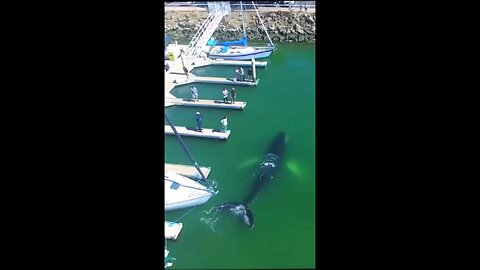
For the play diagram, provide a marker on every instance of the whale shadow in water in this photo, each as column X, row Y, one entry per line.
column 264, row 175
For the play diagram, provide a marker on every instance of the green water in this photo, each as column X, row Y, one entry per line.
column 284, row 232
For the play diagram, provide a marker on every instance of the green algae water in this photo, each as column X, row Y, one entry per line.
column 284, row 211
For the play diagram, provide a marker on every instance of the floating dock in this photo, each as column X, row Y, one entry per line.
column 168, row 260
column 188, row 171
column 202, row 79
column 221, row 62
column 172, row 230
column 239, row 105
column 206, row 132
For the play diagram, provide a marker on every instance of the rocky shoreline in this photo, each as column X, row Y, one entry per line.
column 282, row 26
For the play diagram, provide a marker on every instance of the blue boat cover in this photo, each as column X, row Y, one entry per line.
column 212, row 42
column 241, row 42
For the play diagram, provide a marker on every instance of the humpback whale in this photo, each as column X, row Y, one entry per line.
column 264, row 175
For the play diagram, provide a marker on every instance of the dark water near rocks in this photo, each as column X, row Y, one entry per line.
column 284, row 232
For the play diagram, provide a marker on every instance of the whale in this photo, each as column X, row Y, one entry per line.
column 265, row 174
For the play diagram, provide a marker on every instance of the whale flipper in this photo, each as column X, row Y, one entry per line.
column 294, row 168
column 249, row 162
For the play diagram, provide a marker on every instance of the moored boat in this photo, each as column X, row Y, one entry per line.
column 239, row 49
column 240, row 53
column 182, row 192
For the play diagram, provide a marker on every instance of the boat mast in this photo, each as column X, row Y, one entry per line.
column 204, row 180
column 264, row 29
column 243, row 19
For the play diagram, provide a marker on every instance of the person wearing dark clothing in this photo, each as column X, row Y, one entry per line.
column 198, row 117
column 250, row 74
column 186, row 71
column 233, row 94
column 242, row 74
column 183, row 63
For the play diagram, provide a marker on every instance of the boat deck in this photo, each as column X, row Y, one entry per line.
column 172, row 230
column 191, row 131
column 188, row 171
column 239, row 105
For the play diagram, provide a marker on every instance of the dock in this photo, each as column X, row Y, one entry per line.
column 220, row 62
column 172, row 230
column 202, row 79
column 239, row 105
column 176, row 76
column 187, row 171
column 206, row 132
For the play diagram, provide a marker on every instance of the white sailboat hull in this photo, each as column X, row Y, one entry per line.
column 240, row 53
column 182, row 192
column 186, row 204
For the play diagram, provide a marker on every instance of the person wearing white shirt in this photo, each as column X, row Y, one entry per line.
column 224, row 124
column 194, row 93
column 225, row 95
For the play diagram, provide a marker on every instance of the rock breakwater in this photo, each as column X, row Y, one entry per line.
column 282, row 26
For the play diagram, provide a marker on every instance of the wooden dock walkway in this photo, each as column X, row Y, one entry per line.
column 188, row 171
column 239, row 105
column 202, row 79
column 175, row 76
column 206, row 132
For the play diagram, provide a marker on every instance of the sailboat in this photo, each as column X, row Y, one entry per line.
column 182, row 192
column 238, row 50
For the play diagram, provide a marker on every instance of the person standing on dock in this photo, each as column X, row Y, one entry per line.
column 198, row 117
column 194, row 93
column 237, row 74
column 242, row 74
column 250, row 74
column 225, row 95
column 224, row 124
column 185, row 69
column 233, row 94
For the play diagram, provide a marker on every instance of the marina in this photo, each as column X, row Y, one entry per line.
column 285, row 209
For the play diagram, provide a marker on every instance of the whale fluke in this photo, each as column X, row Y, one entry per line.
column 238, row 209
